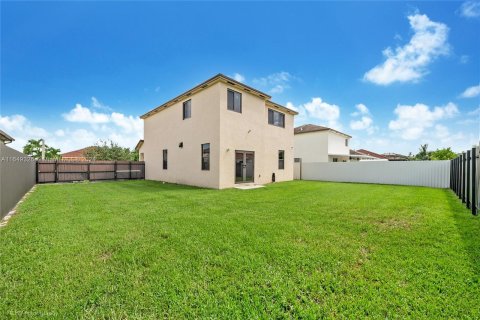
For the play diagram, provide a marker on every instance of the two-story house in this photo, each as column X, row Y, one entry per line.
column 321, row 144
column 217, row 134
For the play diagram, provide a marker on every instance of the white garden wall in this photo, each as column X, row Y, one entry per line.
column 414, row 173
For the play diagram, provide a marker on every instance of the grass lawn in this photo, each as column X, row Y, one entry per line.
column 142, row 249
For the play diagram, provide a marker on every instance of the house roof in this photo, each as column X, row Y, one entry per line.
column 80, row 153
column 5, row 137
column 355, row 153
column 395, row 156
column 371, row 153
column 139, row 145
column 358, row 155
column 314, row 128
column 218, row 78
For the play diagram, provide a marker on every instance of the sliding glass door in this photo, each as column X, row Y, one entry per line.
column 244, row 166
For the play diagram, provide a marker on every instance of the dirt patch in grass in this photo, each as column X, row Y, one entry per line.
column 394, row 224
column 105, row 256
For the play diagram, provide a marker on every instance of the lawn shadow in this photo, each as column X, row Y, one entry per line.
column 468, row 227
column 151, row 186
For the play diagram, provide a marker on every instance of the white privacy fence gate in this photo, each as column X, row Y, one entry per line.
column 434, row 174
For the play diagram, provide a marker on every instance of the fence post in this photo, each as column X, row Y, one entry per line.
column 468, row 179
column 56, row 171
column 463, row 176
column 36, row 171
column 88, row 172
column 130, row 170
column 455, row 175
column 474, row 181
column 459, row 176
column 115, row 169
column 451, row 174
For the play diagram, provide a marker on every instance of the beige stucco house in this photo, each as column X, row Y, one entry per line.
column 218, row 134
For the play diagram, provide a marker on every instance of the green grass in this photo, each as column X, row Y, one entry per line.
column 142, row 249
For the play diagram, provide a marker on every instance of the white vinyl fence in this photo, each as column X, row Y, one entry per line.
column 434, row 174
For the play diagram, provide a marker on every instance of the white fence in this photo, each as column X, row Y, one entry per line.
column 434, row 174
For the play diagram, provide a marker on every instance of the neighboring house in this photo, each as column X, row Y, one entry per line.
column 321, row 144
column 5, row 138
column 357, row 156
column 137, row 148
column 217, row 134
column 76, row 155
column 372, row 155
column 395, row 157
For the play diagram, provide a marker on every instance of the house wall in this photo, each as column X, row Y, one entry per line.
column 336, row 144
column 250, row 131
column 339, row 158
column 166, row 129
column 311, row 146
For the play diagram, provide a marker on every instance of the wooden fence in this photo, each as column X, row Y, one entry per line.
column 465, row 178
column 49, row 171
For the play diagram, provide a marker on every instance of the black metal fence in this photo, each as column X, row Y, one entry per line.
column 464, row 178
column 49, row 171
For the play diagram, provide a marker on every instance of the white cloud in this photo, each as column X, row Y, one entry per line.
column 474, row 112
column 328, row 114
column 412, row 121
column 21, row 129
column 361, row 109
column 84, row 115
column 17, row 123
column 127, row 123
column 470, row 9
column 365, row 122
column 238, row 77
column 441, row 131
column 275, row 83
column 362, row 124
column 409, row 63
column 98, row 105
column 464, row 59
column 471, row 92
column 125, row 130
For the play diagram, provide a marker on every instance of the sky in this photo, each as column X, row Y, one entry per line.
column 393, row 75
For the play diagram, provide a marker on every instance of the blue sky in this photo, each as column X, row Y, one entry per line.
column 393, row 75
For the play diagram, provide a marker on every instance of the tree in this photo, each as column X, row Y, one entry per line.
column 33, row 148
column 443, row 154
column 423, row 153
column 109, row 150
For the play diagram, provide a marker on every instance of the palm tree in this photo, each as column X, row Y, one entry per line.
column 423, row 153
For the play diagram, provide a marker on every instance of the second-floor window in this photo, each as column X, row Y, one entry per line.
column 165, row 159
column 276, row 118
column 346, row 142
column 234, row 101
column 187, row 109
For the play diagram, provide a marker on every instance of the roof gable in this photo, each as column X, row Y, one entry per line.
column 208, row 83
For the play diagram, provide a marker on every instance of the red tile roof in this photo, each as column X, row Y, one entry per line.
column 371, row 153
column 80, row 153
